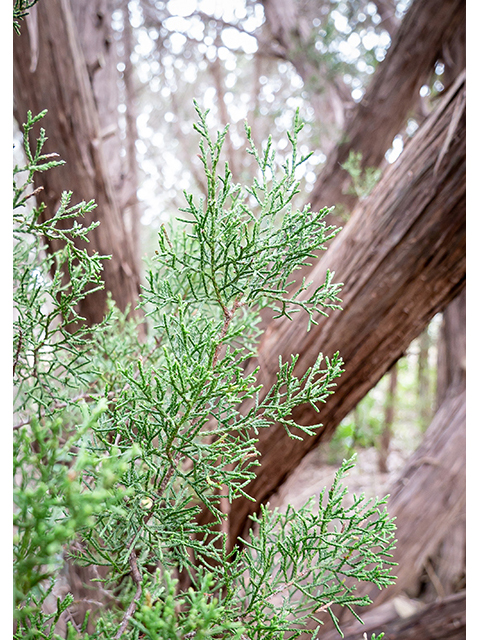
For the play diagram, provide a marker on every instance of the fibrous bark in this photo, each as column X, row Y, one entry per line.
column 74, row 50
column 402, row 259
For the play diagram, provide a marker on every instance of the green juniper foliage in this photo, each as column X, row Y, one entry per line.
column 120, row 443
column 20, row 11
column 363, row 180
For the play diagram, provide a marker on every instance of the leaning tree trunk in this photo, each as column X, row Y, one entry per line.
column 402, row 258
column 66, row 62
column 392, row 93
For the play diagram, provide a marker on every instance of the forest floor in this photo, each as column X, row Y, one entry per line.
column 317, row 470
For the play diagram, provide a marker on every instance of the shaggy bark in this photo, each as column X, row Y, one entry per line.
column 445, row 569
column 402, row 257
column 66, row 64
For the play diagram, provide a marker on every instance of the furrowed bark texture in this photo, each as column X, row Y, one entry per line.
column 420, row 41
column 445, row 570
column 73, row 78
column 402, row 259
column 444, row 619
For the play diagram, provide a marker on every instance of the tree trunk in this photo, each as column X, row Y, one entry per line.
column 72, row 73
column 386, row 435
column 402, row 258
column 444, row 619
column 423, row 381
column 445, row 571
column 392, row 94
column 452, row 348
column 130, row 205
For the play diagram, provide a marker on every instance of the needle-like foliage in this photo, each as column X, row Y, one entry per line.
column 121, row 443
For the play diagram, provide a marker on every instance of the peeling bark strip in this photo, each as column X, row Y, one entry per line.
column 394, row 91
column 63, row 83
column 402, row 259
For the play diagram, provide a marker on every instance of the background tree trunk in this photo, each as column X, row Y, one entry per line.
column 445, row 569
column 129, row 174
column 392, row 94
column 74, row 77
column 291, row 28
column 386, row 434
column 423, row 380
column 428, row 501
column 452, row 347
column 402, row 257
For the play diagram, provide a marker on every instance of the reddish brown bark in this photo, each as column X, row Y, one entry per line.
column 402, row 259
column 74, row 79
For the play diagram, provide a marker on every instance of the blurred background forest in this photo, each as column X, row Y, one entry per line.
column 381, row 89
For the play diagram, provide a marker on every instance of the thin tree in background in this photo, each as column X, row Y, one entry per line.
column 424, row 400
column 389, row 417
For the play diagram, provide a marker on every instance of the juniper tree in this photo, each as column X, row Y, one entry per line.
column 120, row 442
column 20, row 11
